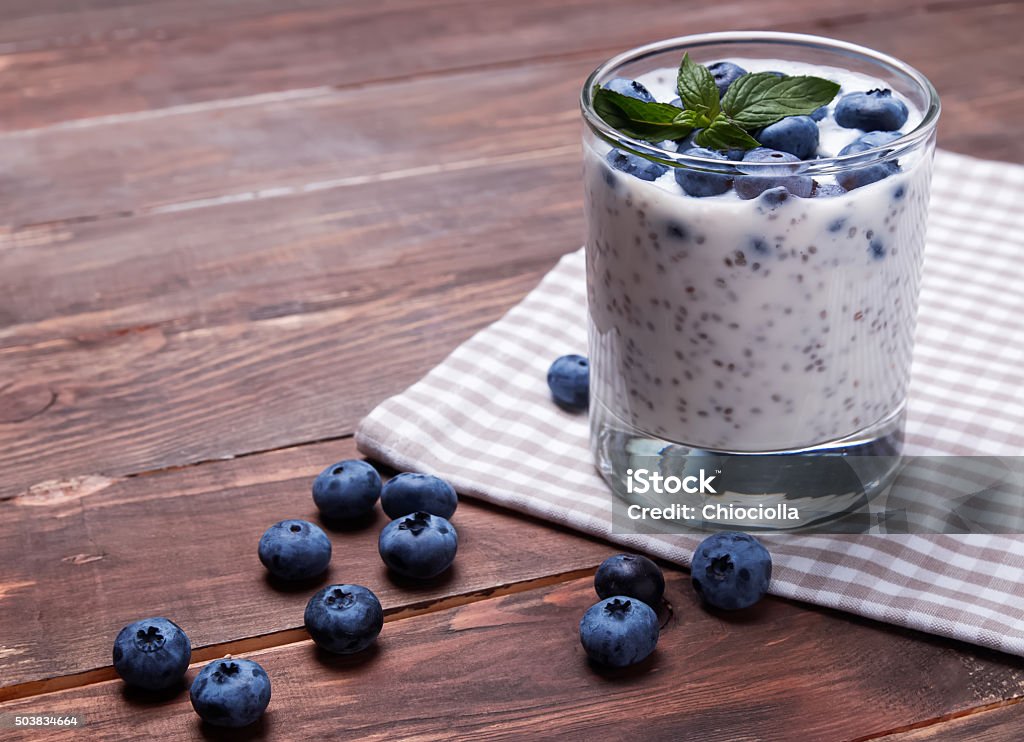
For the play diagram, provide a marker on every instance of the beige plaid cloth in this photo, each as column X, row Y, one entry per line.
column 483, row 419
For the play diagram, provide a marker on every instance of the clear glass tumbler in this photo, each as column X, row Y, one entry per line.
column 755, row 330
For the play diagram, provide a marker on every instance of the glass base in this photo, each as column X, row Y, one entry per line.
column 824, row 482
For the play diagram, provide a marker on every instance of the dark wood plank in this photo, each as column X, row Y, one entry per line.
column 1003, row 723
column 512, row 667
column 153, row 396
column 84, row 559
column 267, row 148
column 119, row 57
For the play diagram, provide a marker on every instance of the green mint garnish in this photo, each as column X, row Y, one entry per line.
column 725, row 134
column 752, row 102
column 697, row 88
column 652, row 122
column 758, row 99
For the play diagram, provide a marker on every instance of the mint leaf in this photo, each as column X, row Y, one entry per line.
column 697, row 88
column 725, row 134
column 653, row 122
column 759, row 99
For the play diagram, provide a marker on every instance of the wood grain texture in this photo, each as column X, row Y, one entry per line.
column 1004, row 723
column 264, row 148
column 158, row 394
column 512, row 668
column 84, row 558
column 121, row 57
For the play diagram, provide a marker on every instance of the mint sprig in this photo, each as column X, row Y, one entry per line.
column 724, row 134
column 652, row 122
column 758, row 99
column 697, row 89
column 752, row 102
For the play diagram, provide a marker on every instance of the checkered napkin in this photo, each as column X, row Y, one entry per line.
column 483, row 419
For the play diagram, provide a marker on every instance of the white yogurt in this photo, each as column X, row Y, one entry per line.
column 726, row 324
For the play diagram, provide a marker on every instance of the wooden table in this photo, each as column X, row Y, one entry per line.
column 230, row 228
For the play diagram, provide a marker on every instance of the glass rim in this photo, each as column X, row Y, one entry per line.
column 891, row 150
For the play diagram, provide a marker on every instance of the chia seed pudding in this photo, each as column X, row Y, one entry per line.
column 776, row 323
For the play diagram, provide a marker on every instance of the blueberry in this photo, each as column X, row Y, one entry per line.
column 631, row 575
column 635, row 165
column 619, row 631
column 687, row 143
column 725, row 74
column 703, row 183
column 819, row 113
column 877, row 248
column 348, row 489
column 797, row 135
column 420, row 545
column 295, row 550
column 836, row 224
column 776, row 171
column 879, row 138
column 230, row 692
column 411, row 493
column 862, row 176
column 731, row 570
column 629, row 88
column 344, row 619
column 875, row 110
column 152, row 654
column 569, row 381
column 773, row 198
column 828, row 190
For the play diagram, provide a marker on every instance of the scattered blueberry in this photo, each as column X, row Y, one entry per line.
column 877, row 248
column 875, row 110
column 230, row 692
column 152, row 654
column 862, row 176
column 819, row 113
column 899, row 193
column 295, row 550
column 635, row 165
column 631, row 575
column 797, row 135
column 619, row 631
column 828, row 190
column 410, row 493
column 348, row 489
column 731, row 570
column 569, row 381
column 879, row 138
column 836, row 224
column 703, row 183
column 759, row 245
column 344, row 619
column 630, row 88
column 773, row 169
column 725, row 74
column 420, row 545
